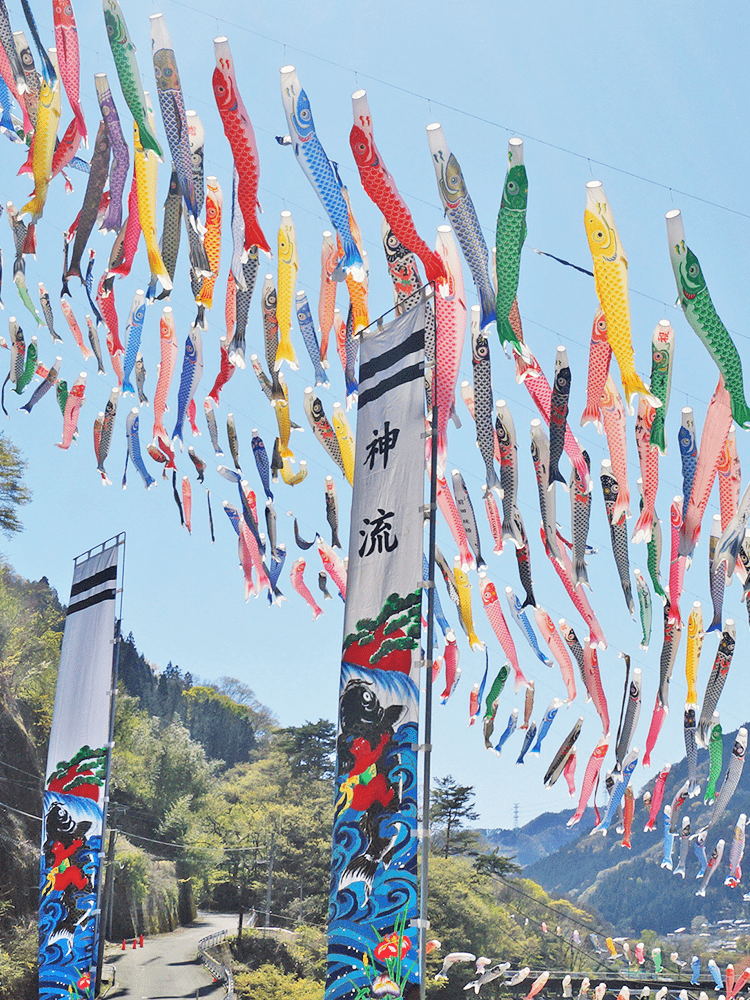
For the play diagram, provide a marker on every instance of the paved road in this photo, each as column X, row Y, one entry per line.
column 166, row 967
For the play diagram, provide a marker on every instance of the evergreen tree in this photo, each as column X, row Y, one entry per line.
column 452, row 805
column 311, row 748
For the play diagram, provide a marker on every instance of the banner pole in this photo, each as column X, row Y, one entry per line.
column 101, row 926
column 430, row 583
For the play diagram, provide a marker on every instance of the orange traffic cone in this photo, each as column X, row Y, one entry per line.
column 123, row 944
column 140, row 941
column 135, row 944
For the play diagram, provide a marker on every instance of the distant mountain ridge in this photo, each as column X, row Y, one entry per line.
column 628, row 887
column 540, row 837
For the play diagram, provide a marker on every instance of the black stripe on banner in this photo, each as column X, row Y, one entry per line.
column 414, row 342
column 88, row 602
column 409, row 374
column 94, row 581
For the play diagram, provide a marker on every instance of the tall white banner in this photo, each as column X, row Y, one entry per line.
column 75, row 782
column 373, row 870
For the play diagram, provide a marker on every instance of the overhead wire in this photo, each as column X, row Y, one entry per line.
column 461, row 111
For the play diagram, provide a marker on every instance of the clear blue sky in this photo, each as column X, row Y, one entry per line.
column 648, row 98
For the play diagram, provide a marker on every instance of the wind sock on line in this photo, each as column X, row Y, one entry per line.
column 715, row 755
column 448, row 508
column 580, row 515
column 120, row 154
column 618, row 532
column 731, row 777
column 600, row 354
column 563, row 756
column 729, row 474
column 558, row 416
column 319, row 171
column 103, row 439
column 736, row 851
column 510, row 237
column 327, row 294
column 450, row 316
column 701, row 314
column 594, row 683
column 648, row 458
column 662, row 356
column 211, row 243
column 630, row 722
column 239, row 132
column 544, row 726
column 530, row 373
column 242, row 299
column 540, row 455
column 321, row 427
column 287, row 278
column 615, row 429
column 309, row 337
column 670, row 646
column 468, row 519
column 732, row 538
column 657, row 797
column 716, row 580
column 482, row 401
column 695, row 636
column 43, row 147
column 381, row 188
column 145, row 163
column 460, row 212
column 521, row 619
column 97, row 179
column 505, row 432
column 713, row 863
column 716, row 681
column 123, row 53
column 716, row 429
column 494, row 612
column 621, row 782
column 551, row 636
column 174, row 116
column 611, row 280
column 644, row 604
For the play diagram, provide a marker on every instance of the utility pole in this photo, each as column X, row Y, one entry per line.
column 109, row 890
column 268, row 885
column 515, row 815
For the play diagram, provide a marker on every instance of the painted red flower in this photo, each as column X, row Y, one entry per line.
column 84, row 982
column 389, row 947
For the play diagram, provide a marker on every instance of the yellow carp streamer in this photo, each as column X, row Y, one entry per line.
column 145, row 164
column 695, row 638
column 48, row 119
column 611, row 279
column 345, row 437
column 281, row 409
column 288, row 266
column 464, row 603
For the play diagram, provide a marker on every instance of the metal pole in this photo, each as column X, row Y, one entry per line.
column 268, row 885
column 425, row 832
column 109, row 886
column 113, row 693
